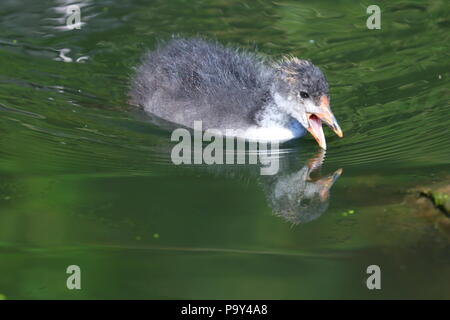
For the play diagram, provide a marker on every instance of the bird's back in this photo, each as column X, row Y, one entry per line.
column 190, row 79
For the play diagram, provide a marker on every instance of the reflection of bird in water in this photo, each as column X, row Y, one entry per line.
column 297, row 198
column 189, row 80
column 291, row 193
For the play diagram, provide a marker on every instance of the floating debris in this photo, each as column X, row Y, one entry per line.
column 348, row 212
column 432, row 203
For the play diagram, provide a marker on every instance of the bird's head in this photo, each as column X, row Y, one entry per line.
column 301, row 90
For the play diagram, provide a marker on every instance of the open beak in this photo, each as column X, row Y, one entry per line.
column 325, row 115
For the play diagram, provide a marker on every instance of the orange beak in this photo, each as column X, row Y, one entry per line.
column 325, row 115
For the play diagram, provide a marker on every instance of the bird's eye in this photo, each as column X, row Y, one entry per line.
column 304, row 95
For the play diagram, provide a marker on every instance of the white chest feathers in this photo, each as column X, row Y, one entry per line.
column 271, row 133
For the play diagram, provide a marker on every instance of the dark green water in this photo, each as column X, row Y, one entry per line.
column 85, row 181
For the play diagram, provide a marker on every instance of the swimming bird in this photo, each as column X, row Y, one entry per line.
column 187, row 80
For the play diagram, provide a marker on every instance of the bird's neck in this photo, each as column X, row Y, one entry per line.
column 273, row 121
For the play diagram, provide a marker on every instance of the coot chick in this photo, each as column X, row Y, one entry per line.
column 187, row 80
